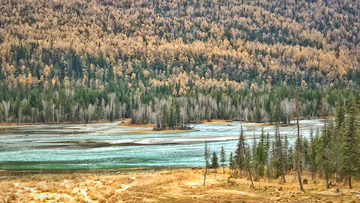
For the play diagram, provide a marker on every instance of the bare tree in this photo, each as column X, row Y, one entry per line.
column 288, row 107
column 246, row 157
column 6, row 107
column 206, row 156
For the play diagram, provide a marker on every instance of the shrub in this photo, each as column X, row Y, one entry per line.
column 305, row 181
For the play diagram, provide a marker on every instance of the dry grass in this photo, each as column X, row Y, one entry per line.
column 127, row 123
column 215, row 121
column 184, row 185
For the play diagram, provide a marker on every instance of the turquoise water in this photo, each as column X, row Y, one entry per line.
column 107, row 146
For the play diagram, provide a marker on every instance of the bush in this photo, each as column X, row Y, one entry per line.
column 305, row 181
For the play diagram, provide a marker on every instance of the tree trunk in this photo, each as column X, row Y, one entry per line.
column 224, row 169
column 327, row 180
column 251, row 178
column 350, row 182
column 205, row 176
column 346, row 179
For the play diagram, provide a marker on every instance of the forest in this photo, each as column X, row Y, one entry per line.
column 331, row 152
column 172, row 62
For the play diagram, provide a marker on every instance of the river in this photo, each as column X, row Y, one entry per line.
column 108, row 146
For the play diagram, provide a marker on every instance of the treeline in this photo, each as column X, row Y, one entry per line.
column 332, row 152
column 60, row 104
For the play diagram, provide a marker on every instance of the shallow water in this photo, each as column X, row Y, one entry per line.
column 107, row 146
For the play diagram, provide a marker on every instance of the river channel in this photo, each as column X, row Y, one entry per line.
column 108, row 146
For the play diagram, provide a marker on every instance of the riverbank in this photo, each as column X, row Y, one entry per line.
column 168, row 185
column 54, row 123
column 126, row 122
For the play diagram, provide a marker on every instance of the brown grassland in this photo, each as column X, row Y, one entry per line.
column 176, row 185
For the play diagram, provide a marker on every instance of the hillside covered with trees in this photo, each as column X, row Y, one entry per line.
column 172, row 62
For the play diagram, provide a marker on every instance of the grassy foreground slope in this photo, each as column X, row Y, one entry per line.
column 167, row 186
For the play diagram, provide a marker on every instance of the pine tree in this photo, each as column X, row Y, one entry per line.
column 278, row 158
column 262, row 137
column 214, row 162
column 312, row 154
column 267, row 145
column 339, row 137
column 305, row 152
column 268, row 167
column 323, row 159
column 260, row 160
column 231, row 161
column 223, row 158
column 298, row 145
column 239, row 154
column 285, row 152
column 290, row 159
column 350, row 165
column 253, row 159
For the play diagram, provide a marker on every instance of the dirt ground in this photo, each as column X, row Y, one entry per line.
column 178, row 185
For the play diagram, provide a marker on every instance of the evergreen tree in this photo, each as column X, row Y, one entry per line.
column 268, row 167
column 267, row 145
column 223, row 158
column 305, row 152
column 290, row 158
column 350, row 165
column 339, row 137
column 312, row 154
column 253, row 157
column 298, row 145
column 324, row 150
column 278, row 157
column 262, row 137
column 214, row 162
column 285, row 152
column 231, row 162
column 260, row 160
column 239, row 154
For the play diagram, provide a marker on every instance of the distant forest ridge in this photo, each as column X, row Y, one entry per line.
column 173, row 62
